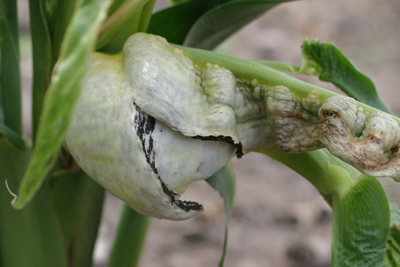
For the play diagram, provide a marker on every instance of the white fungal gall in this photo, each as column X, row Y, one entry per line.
column 133, row 156
column 149, row 122
column 375, row 151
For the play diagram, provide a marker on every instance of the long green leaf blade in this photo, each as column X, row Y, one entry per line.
column 42, row 59
column 218, row 24
column 137, row 21
column 224, row 182
column 127, row 11
column 63, row 93
column 175, row 2
column 117, row 36
column 332, row 66
column 361, row 220
column 57, row 23
column 130, row 239
column 175, row 22
column 146, row 15
column 79, row 202
column 29, row 237
column 115, row 5
column 10, row 82
column 12, row 136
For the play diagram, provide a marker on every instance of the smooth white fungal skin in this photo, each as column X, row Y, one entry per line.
column 181, row 161
column 167, row 86
column 103, row 140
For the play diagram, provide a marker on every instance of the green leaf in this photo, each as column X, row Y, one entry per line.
column 42, row 59
column 10, row 83
column 29, row 237
column 14, row 138
column 130, row 239
column 79, row 202
column 126, row 12
column 175, row 2
column 146, row 15
column 137, row 21
column 205, row 24
column 218, row 24
column 361, row 220
column 392, row 257
column 120, row 35
column 59, row 17
column 332, row 66
column 224, row 182
column 63, row 93
column 175, row 22
column 115, row 5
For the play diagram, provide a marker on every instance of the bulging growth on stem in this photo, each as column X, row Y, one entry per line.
column 151, row 121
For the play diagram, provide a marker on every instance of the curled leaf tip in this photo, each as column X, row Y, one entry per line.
column 11, row 193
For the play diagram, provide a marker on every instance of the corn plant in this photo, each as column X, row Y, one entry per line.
column 135, row 103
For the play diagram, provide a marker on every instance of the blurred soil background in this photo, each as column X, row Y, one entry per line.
column 279, row 219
